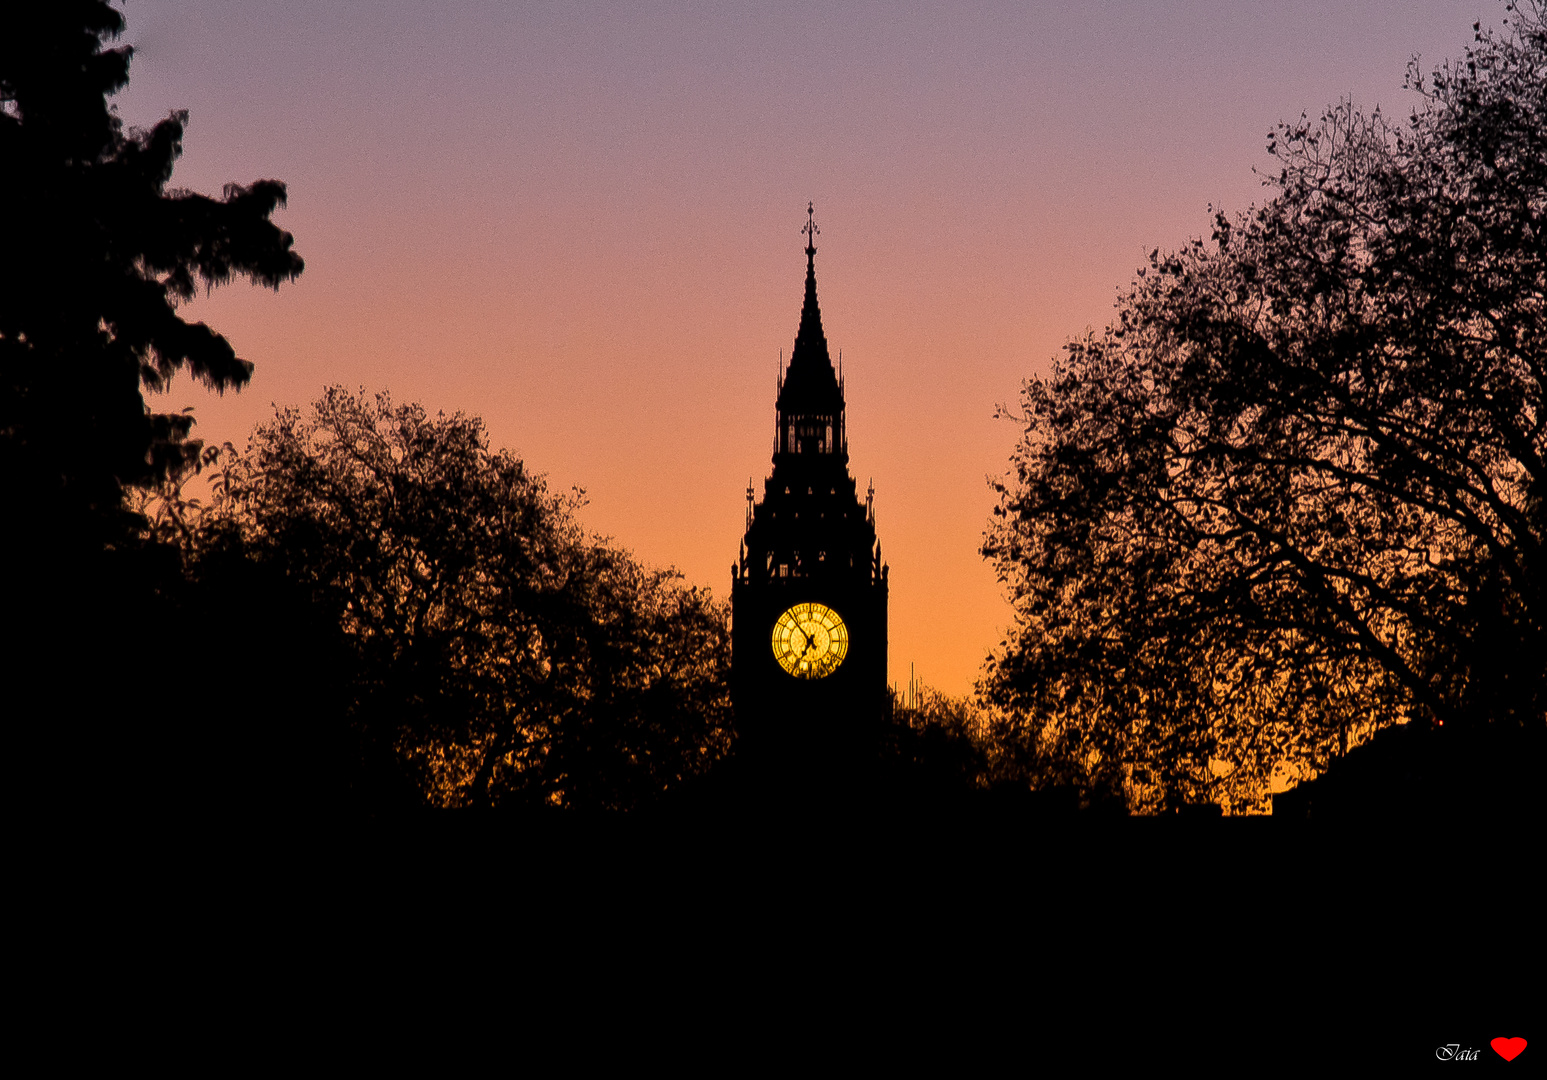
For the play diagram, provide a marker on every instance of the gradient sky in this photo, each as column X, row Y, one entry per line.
column 582, row 222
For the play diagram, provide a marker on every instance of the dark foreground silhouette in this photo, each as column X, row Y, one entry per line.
column 381, row 615
column 251, row 719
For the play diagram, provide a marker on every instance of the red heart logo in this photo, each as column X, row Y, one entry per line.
column 1508, row 1049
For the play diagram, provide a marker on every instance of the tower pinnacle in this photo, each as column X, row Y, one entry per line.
column 810, row 364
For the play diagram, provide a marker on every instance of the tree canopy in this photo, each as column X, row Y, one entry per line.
column 98, row 254
column 493, row 653
column 1295, row 492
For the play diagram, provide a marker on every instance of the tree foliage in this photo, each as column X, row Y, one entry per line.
column 497, row 655
column 98, row 254
column 1296, row 491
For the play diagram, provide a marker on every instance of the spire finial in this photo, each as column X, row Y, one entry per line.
column 811, row 231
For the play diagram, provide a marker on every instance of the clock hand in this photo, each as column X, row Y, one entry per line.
column 810, row 644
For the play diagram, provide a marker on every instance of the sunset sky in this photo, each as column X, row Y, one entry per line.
column 582, row 222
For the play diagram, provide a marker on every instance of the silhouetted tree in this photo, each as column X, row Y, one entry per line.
column 497, row 655
column 944, row 742
column 957, row 747
column 97, row 255
column 1296, row 491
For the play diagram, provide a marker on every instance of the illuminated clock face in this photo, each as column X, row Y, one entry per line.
column 810, row 641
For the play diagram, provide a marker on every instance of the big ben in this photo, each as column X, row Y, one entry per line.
column 808, row 596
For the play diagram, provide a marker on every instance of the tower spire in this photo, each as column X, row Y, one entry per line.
column 810, row 350
column 809, row 309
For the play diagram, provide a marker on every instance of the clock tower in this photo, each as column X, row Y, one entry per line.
column 808, row 594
